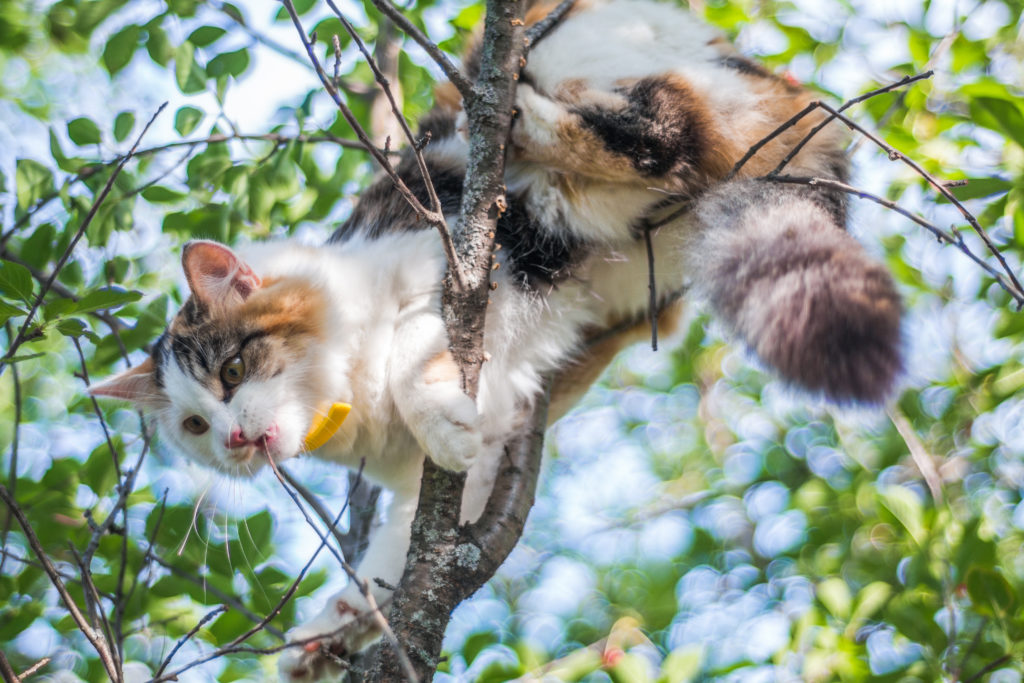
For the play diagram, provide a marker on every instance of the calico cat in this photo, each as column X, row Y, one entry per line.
column 625, row 105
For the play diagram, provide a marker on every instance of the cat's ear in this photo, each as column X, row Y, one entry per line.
column 216, row 275
column 137, row 385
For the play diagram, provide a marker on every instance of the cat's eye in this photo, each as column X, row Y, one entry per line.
column 195, row 424
column 233, row 371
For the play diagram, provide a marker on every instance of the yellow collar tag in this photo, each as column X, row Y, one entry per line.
column 324, row 426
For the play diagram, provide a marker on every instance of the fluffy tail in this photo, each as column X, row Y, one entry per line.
column 777, row 267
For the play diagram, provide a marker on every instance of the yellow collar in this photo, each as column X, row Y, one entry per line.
column 325, row 425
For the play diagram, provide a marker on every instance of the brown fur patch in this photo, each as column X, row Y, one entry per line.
column 441, row 368
column 447, row 97
column 574, row 380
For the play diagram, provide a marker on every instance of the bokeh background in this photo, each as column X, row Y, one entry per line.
column 696, row 519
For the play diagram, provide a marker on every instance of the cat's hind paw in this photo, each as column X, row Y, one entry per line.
column 322, row 645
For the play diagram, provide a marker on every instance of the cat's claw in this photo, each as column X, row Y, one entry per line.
column 344, row 628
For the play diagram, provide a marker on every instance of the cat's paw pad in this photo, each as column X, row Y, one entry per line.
column 452, row 439
column 321, row 646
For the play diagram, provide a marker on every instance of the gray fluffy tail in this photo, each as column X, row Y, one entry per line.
column 777, row 267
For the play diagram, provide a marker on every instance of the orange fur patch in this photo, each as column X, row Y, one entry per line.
column 441, row 368
column 574, row 380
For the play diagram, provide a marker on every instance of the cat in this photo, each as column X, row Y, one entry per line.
column 611, row 136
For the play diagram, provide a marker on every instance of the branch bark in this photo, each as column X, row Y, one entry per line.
column 446, row 562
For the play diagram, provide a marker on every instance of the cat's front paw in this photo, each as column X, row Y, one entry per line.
column 322, row 645
column 452, row 437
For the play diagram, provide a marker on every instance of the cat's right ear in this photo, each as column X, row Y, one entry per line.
column 136, row 385
column 216, row 275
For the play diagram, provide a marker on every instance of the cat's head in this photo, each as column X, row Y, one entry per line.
column 236, row 376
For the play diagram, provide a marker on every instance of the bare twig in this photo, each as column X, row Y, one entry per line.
column 7, row 671
column 433, row 217
column 451, row 72
column 188, row 636
column 756, row 147
column 896, row 155
column 12, row 473
column 230, row 600
column 417, row 150
column 34, row 668
column 375, row 610
column 846, row 105
column 922, row 458
column 83, row 625
column 535, row 33
column 23, row 330
column 940, row 234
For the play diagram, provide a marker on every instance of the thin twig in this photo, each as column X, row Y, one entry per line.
column 7, row 671
column 34, row 668
column 332, row 525
column 535, row 33
column 457, row 78
column 896, row 155
column 807, row 110
column 231, row 600
column 846, row 105
column 23, row 330
column 435, row 218
column 940, row 234
column 417, row 149
column 83, row 625
column 188, row 636
column 652, row 297
column 364, row 586
column 12, row 475
column 922, row 458
column 989, row 667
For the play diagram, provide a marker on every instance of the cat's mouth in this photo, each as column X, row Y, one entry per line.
column 243, row 455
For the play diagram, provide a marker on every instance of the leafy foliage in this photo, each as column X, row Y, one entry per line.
column 743, row 536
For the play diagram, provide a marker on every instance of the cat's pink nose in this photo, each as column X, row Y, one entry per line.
column 237, row 439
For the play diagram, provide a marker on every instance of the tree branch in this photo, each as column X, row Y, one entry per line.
column 83, row 625
column 451, row 72
column 439, row 550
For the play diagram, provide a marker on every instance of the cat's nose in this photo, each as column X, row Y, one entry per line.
column 237, row 439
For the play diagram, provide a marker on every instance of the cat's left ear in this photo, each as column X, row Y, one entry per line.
column 136, row 385
column 216, row 275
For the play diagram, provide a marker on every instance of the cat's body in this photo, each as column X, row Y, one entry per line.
column 623, row 102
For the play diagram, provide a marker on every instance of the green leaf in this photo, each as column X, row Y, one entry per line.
column 186, row 119
column 1007, row 114
column 111, row 297
column 229, row 63
column 120, row 48
column 158, row 194
column 978, row 187
column 7, row 311
column 476, row 643
column 33, row 181
column 123, row 124
column 907, row 508
column 189, row 74
column 16, row 281
column 158, row 45
column 834, row 594
column 990, row 592
column 98, row 471
column 83, row 131
column 204, row 35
